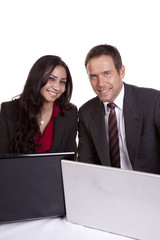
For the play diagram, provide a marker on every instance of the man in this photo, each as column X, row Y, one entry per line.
column 134, row 119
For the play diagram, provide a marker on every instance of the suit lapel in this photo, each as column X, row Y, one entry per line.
column 59, row 125
column 133, row 122
column 98, row 131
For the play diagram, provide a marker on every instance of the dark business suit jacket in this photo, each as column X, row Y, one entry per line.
column 65, row 128
column 142, row 127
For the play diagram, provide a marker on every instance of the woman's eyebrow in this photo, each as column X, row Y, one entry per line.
column 52, row 75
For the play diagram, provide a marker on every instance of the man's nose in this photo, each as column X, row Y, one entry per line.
column 101, row 80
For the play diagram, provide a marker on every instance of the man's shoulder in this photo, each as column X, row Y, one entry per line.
column 141, row 92
column 90, row 104
column 91, row 108
column 140, row 89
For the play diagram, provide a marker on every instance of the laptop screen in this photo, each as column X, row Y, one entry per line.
column 114, row 200
column 31, row 186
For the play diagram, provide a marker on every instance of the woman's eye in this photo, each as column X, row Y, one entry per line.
column 51, row 78
column 63, row 82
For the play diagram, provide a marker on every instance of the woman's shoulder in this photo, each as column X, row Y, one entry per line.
column 71, row 112
column 73, row 108
column 10, row 108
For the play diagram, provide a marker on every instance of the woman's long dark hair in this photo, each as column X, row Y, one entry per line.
column 31, row 102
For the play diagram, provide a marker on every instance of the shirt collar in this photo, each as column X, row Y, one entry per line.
column 118, row 101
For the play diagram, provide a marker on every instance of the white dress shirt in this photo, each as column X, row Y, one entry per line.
column 124, row 157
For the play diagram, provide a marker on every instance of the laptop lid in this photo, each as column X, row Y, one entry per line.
column 114, row 200
column 31, row 186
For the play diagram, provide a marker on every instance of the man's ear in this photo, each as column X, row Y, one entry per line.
column 122, row 71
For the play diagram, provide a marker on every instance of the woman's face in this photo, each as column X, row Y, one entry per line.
column 55, row 85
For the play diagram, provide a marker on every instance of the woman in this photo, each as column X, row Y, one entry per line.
column 42, row 119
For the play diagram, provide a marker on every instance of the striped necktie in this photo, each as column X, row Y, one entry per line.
column 113, row 137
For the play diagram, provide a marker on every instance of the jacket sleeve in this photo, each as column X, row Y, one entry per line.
column 4, row 132
column 86, row 148
column 157, row 115
column 73, row 122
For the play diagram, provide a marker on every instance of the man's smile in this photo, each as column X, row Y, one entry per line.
column 104, row 90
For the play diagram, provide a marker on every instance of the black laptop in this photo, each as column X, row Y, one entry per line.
column 31, row 186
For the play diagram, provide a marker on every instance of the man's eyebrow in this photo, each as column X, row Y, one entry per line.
column 107, row 71
column 92, row 74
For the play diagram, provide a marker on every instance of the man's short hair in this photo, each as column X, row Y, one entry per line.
column 108, row 50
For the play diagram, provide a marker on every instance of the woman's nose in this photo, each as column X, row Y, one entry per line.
column 55, row 85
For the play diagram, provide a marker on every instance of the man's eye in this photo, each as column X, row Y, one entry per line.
column 106, row 73
column 93, row 76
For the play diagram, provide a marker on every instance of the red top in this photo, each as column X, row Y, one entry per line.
column 44, row 142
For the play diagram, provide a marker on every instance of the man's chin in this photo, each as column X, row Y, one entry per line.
column 103, row 99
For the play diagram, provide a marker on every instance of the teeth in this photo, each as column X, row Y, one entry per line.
column 106, row 90
column 52, row 93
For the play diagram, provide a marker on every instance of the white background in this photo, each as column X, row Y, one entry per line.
column 30, row 29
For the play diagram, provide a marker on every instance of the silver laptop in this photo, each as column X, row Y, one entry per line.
column 113, row 200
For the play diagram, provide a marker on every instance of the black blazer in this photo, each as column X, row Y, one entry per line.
column 65, row 128
column 142, row 127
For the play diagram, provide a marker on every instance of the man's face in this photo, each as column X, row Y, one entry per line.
column 104, row 78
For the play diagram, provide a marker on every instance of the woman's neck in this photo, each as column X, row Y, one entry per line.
column 45, row 116
column 47, row 108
